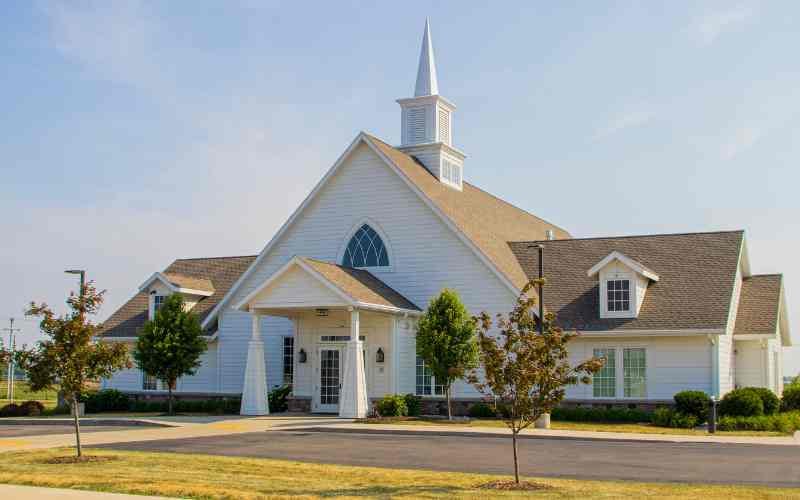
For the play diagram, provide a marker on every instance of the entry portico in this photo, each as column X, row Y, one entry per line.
column 346, row 324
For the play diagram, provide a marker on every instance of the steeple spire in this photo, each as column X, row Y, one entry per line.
column 426, row 74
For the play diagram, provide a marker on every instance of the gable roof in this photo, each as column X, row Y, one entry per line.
column 697, row 274
column 358, row 287
column 361, row 285
column 485, row 222
column 216, row 273
column 182, row 283
column 759, row 305
column 627, row 261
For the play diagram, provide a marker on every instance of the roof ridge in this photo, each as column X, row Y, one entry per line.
column 217, row 258
column 501, row 200
column 654, row 235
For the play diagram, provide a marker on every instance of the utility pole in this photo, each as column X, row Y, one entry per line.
column 12, row 344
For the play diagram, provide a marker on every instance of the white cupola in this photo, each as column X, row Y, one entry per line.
column 427, row 122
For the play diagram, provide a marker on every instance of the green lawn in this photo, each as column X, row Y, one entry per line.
column 203, row 476
column 22, row 392
column 573, row 426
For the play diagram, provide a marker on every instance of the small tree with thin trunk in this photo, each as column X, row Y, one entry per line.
column 446, row 341
column 69, row 355
column 171, row 344
column 525, row 371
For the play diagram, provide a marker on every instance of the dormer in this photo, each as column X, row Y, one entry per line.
column 622, row 286
column 161, row 285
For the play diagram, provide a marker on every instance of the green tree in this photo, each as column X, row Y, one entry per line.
column 525, row 371
column 446, row 341
column 69, row 355
column 171, row 344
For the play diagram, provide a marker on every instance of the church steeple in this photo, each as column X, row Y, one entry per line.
column 426, row 73
column 427, row 121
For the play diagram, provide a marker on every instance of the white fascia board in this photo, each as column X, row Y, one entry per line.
column 754, row 336
column 243, row 304
column 615, row 255
column 359, row 138
column 172, row 288
column 222, row 303
column 652, row 333
column 387, row 309
column 783, row 320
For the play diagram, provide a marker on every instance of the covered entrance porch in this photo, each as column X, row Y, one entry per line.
column 350, row 331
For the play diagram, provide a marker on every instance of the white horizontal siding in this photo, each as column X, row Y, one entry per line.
column 674, row 364
column 297, row 288
column 751, row 365
column 426, row 255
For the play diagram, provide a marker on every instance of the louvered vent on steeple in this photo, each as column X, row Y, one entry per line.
column 427, row 128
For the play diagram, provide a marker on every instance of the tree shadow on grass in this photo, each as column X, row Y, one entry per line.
column 380, row 491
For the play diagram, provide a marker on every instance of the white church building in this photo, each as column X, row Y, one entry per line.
column 330, row 304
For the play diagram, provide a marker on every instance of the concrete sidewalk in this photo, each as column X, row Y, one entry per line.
column 458, row 430
column 33, row 492
column 199, row 427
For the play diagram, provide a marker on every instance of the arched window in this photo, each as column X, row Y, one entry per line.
column 366, row 249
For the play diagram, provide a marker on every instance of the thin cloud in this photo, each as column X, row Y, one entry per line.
column 709, row 26
column 741, row 140
column 624, row 121
column 117, row 41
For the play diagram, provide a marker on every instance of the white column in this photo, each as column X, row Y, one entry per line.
column 254, row 394
column 353, row 397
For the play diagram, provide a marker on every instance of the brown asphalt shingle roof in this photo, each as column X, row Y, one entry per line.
column 759, row 305
column 216, row 274
column 486, row 220
column 697, row 273
column 361, row 285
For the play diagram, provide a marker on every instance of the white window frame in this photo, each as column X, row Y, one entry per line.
column 433, row 383
column 619, row 372
column 284, row 359
column 153, row 298
column 607, row 276
column 614, row 300
column 387, row 245
column 157, row 385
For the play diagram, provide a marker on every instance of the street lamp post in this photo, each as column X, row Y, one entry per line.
column 82, row 273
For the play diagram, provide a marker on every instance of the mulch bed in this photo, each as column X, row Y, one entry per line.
column 77, row 460
column 512, row 486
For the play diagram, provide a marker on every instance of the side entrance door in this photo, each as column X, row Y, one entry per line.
column 329, row 380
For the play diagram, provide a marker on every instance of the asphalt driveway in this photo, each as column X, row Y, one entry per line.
column 570, row 458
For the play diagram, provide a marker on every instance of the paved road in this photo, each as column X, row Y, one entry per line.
column 39, row 430
column 571, row 458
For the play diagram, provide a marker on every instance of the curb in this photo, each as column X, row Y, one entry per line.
column 397, row 432
column 85, row 421
column 440, row 433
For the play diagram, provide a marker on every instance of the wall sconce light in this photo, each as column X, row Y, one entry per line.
column 301, row 356
column 379, row 357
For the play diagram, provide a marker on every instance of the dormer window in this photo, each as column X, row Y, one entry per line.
column 158, row 301
column 619, row 295
column 623, row 284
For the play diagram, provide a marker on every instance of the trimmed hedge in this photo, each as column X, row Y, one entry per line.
column 481, row 410
column 694, row 403
column 785, row 423
column 105, row 400
column 392, row 405
column 791, row 398
column 413, row 404
column 741, row 403
column 771, row 402
column 278, row 399
column 226, row 406
column 600, row 415
column 26, row 409
column 667, row 417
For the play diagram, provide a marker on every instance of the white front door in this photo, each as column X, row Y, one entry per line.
column 329, row 379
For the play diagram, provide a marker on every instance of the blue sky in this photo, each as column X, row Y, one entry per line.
column 134, row 133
